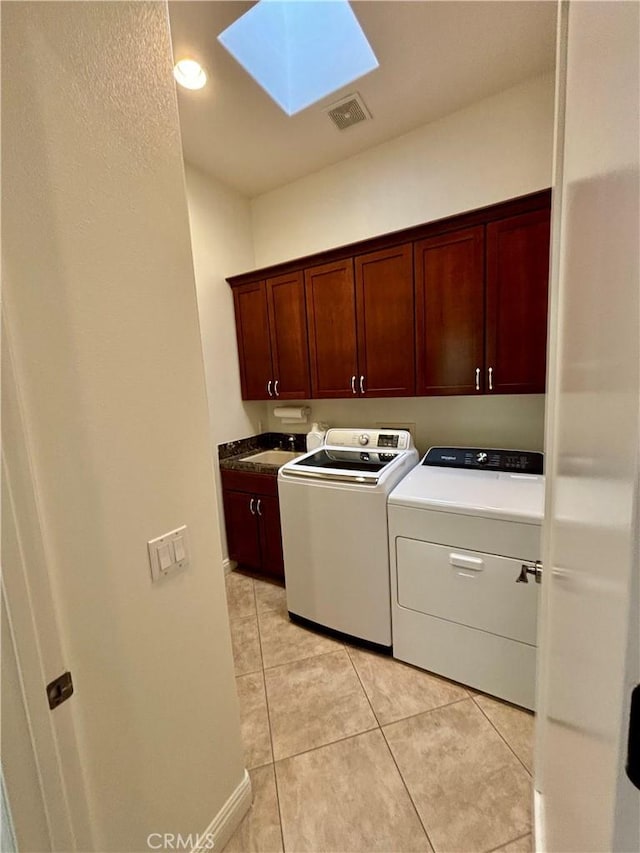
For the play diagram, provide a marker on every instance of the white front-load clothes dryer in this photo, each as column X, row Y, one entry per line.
column 464, row 550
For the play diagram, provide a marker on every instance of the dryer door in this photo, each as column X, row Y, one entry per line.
column 468, row 587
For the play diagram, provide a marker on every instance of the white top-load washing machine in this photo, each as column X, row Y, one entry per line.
column 333, row 509
column 464, row 543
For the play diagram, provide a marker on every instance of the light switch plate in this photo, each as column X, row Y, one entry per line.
column 175, row 540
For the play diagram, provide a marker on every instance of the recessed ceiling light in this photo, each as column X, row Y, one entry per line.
column 189, row 74
column 299, row 51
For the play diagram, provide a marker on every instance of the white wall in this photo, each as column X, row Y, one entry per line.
column 101, row 308
column 494, row 150
column 484, row 421
column 220, row 220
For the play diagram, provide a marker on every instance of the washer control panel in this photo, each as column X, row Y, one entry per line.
column 386, row 439
column 513, row 461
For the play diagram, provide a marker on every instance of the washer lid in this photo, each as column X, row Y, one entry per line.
column 355, row 465
column 489, row 494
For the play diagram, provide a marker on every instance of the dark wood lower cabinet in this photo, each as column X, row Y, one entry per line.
column 252, row 521
column 243, row 535
column 270, row 537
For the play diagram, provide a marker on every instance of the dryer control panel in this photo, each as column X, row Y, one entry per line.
column 513, row 461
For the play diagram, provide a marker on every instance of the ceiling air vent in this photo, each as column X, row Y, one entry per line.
column 349, row 111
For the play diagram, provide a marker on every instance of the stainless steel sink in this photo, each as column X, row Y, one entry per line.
column 271, row 457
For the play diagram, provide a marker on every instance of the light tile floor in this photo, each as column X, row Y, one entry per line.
column 354, row 751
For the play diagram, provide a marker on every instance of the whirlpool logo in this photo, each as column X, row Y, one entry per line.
column 177, row 841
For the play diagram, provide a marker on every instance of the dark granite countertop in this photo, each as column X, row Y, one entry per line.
column 230, row 455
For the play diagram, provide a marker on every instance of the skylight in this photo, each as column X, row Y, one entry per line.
column 299, row 51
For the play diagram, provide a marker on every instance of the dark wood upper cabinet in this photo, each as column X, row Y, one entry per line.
column 254, row 347
column 517, row 295
column 449, row 272
column 271, row 327
column 288, row 334
column 331, row 312
column 456, row 306
column 385, row 312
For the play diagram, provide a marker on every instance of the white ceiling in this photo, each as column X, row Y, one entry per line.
column 435, row 58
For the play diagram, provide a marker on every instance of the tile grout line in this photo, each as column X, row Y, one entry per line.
column 393, row 758
column 266, row 702
column 364, row 689
column 406, row 787
column 513, row 841
column 337, row 740
column 235, row 619
column 299, row 660
column 496, row 729
column 418, row 713
column 427, row 711
column 323, row 745
column 296, row 660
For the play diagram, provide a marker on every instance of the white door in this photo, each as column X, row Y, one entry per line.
column 589, row 636
column 40, row 759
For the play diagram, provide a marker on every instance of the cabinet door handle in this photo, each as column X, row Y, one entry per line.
column 353, row 384
column 259, row 506
column 269, row 391
column 275, row 387
column 491, row 379
column 362, row 384
column 251, row 503
column 477, row 378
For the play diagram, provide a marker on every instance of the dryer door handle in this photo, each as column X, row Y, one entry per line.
column 464, row 561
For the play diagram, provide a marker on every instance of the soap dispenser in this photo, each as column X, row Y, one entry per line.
column 315, row 437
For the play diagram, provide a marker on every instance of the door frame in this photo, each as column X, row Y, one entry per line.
column 550, row 401
column 624, row 808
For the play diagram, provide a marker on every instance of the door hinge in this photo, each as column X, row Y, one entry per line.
column 633, row 743
column 59, row 690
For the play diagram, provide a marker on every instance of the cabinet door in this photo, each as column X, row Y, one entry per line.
column 517, row 287
column 288, row 327
column 241, row 522
column 270, row 536
column 331, row 312
column 385, row 311
column 254, row 349
column 449, row 273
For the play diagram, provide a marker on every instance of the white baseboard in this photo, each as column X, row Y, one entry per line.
column 227, row 820
column 539, row 840
column 228, row 565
